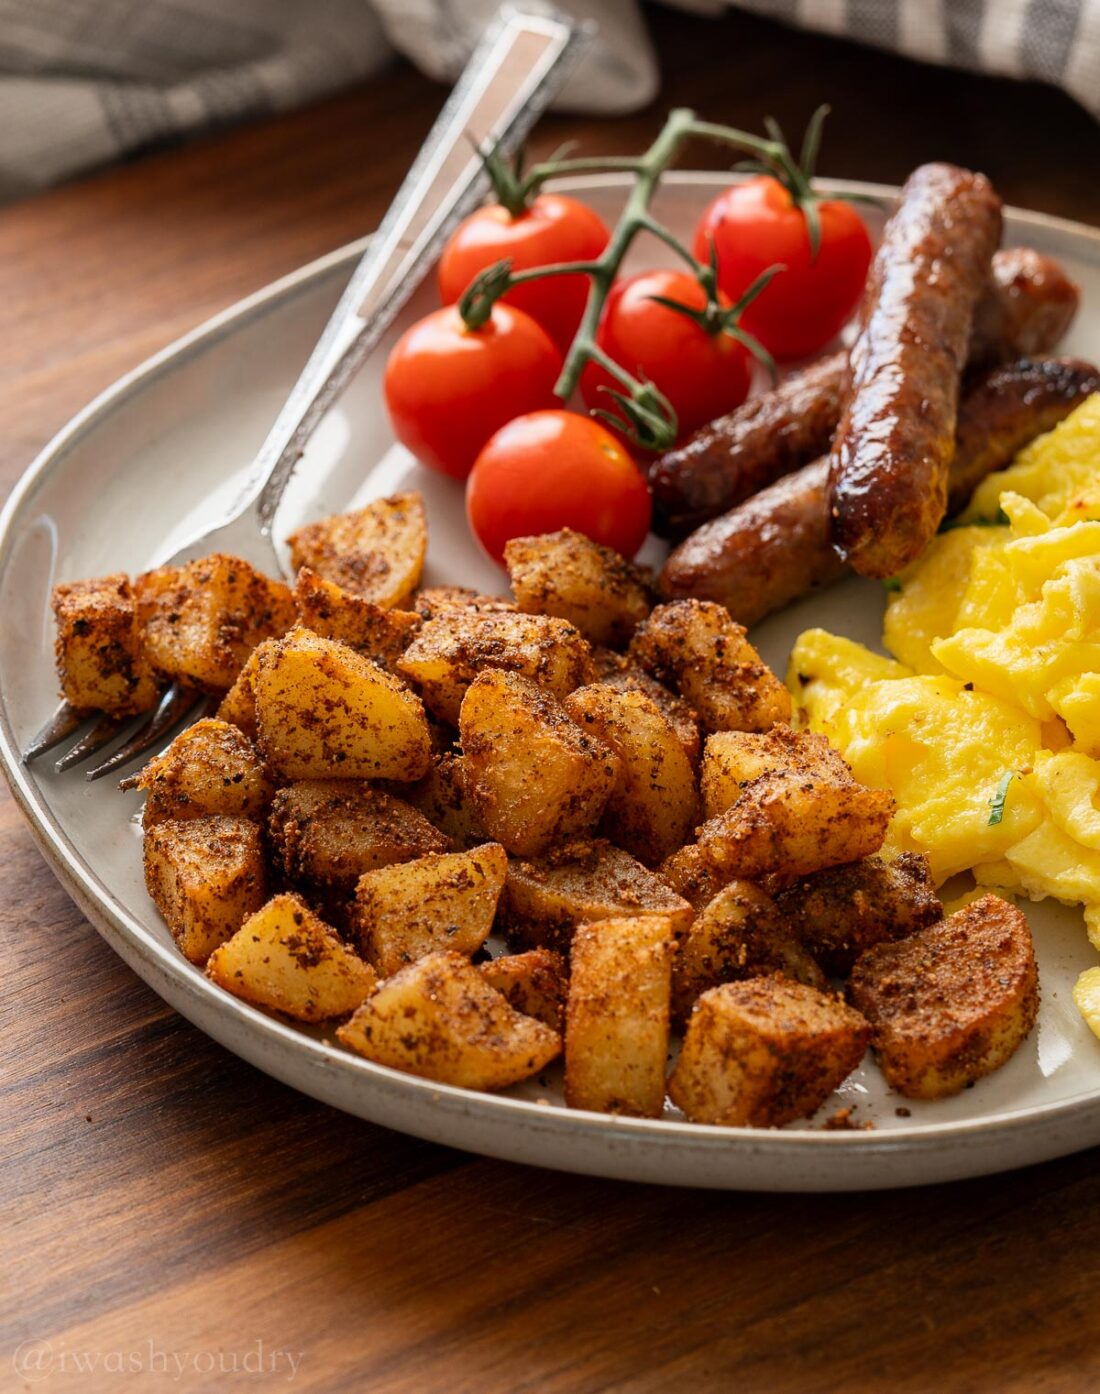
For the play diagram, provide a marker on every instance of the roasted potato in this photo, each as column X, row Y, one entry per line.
column 617, row 1016
column 534, row 776
column 439, row 1018
column 692, row 875
column 617, row 671
column 544, row 901
column 201, row 621
column 441, row 901
column 287, row 959
column 448, row 654
column 205, row 876
column 335, row 613
column 376, row 552
column 565, row 574
column 433, row 602
column 952, row 1002
column 238, row 706
column 535, row 983
column 321, row 707
column 699, row 649
column 210, row 767
column 442, row 798
column 764, row 1052
column 100, row 658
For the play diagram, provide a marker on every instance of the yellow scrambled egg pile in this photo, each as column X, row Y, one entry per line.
column 986, row 723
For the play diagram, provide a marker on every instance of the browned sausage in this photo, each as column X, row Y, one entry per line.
column 896, row 436
column 775, row 547
column 1026, row 311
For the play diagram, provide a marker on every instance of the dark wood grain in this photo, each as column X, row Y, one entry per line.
column 161, row 1198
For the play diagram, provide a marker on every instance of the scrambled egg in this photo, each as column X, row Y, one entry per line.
column 986, row 723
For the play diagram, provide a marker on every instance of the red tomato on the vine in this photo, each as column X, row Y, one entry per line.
column 758, row 223
column 702, row 374
column 551, row 470
column 554, row 228
column 448, row 387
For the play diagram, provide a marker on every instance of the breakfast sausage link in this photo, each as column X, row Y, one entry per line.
column 775, row 547
column 896, row 436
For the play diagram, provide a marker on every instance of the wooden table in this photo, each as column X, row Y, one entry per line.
column 165, row 1200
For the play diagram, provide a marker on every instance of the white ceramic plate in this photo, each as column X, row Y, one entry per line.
column 161, row 451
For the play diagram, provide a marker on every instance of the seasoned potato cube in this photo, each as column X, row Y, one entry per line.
column 544, row 901
column 692, row 874
column 952, row 1002
column 201, row 621
column 442, row 798
column 335, row 613
column 238, row 706
column 285, row 958
column 840, row 913
column 535, row 983
column 764, row 1052
column 534, row 777
column 617, row 671
column 433, row 602
column 448, row 654
column 739, row 934
column 328, row 832
column 696, row 646
column 653, row 803
column 441, row 901
column 100, row 659
column 376, row 552
column 205, row 876
column 321, row 707
column 567, row 575
column 209, row 768
column 617, row 1016
column 439, row 1018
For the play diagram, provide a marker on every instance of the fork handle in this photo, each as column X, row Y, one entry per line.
column 518, row 66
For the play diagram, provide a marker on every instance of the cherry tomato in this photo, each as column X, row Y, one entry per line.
column 703, row 375
column 448, row 388
column 757, row 224
column 555, row 228
column 556, row 469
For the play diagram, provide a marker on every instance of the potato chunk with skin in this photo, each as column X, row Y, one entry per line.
column 449, row 653
column 616, row 671
column 321, row 709
column 442, row 798
column 201, row 621
column 439, row 1018
column 534, row 776
column 334, row 613
column 764, row 1052
column 435, row 601
column 951, row 1003
column 692, row 874
column 441, row 901
column 376, row 552
column 535, row 983
column 567, row 575
column 205, row 876
column 698, row 647
column 544, row 901
column 287, row 959
column 840, row 913
column 100, row 659
column 210, row 767
column 617, row 1016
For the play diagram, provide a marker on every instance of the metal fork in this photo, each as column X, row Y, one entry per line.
column 517, row 68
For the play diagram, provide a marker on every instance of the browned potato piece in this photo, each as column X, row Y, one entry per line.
column 210, row 767
column 376, row 552
column 439, row 1018
column 617, row 1016
column 653, row 804
column 534, row 777
column 100, row 659
column 201, row 621
column 764, row 1052
column 617, row 671
column 433, row 602
column 321, row 707
column 441, row 901
column 328, row 832
column 335, row 613
column 442, row 798
column 739, row 934
column 840, row 913
column 544, row 901
column 702, row 651
column 952, row 1002
column 287, row 959
column 205, row 876
column 238, row 706
column 449, row 653
column 693, row 875
column 567, row 575
column 535, row 983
